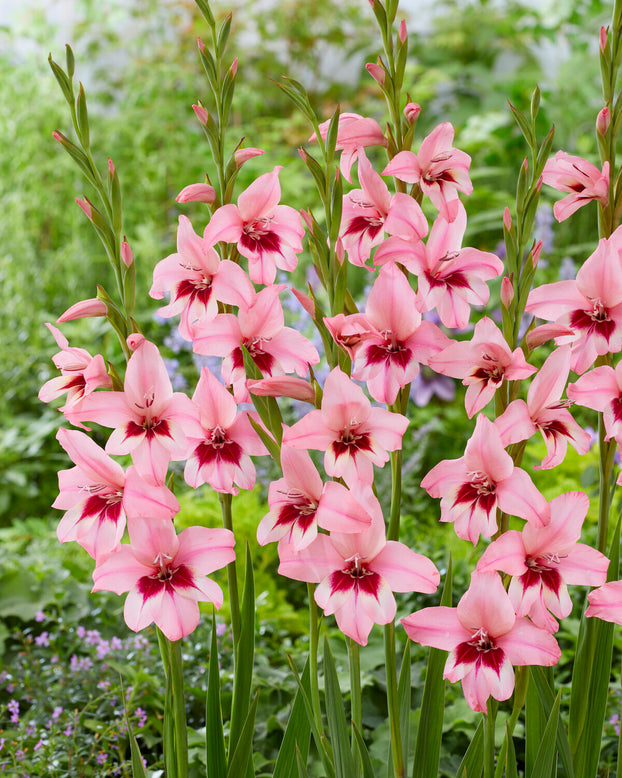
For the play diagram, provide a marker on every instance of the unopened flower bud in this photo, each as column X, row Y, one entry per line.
column 111, row 167
column 535, row 254
column 306, row 216
column 507, row 292
column 201, row 113
column 305, row 300
column 84, row 310
column 603, row 120
column 402, row 31
column 377, row 72
column 234, row 67
column 525, row 165
column 243, row 155
column 86, row 207
column 126, row 253
column 604, row 33
column 546, row 332
column 198, row 193
column 282, row 386
column 135, row 340
column 507, row 219
column 411, row 112
column 200, row 44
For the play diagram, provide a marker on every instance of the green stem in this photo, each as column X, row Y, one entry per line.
column 355, row 687
column 489, row 739
column 314, row 634
column 393, row 701
column 175, row 735
column 605, row 470
column 396, row 495
column 232, row 579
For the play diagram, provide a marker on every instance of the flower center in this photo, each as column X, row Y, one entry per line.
column 357, row 569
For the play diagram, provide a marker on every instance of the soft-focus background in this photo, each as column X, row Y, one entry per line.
column 139, row 65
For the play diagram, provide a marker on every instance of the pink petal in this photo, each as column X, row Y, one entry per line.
column 526, row 644
column 406, row 571
column 507, row 554
column 438, row 627
column 519, row 496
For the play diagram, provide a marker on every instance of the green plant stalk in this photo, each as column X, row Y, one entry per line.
column 314, row 634
column 232, row 580
column 396, row 495
column 489, row 739
column 606, row 452
column 355, row 689
column 179, row 708
column 393, row 700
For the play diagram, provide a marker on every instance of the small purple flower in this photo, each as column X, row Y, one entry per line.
column 40, row 616
column 142, row 717
column 93, row 637
column 13, row 708
column 30, row 730
column 39, row 745
column 56, row 712
column 102, row 649
column 80, row 632
column 116, row 644
column 68, row 731
column 43, row 639
column 428, row 383
column 101, row 757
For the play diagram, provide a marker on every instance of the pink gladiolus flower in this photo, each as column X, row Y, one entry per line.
column 98, row 496
column 472, row 487
column 353, row 133
column 357, row 573
column 549, row 413
column 591, row 305
column 151, row 423
column 388, row 358
column 199, row 193
column 269, row 235
column 259, row 327
column 243, row 155
column 601, row 390
column 484, row 638
column 354, row 435
column 483, row 364
column 543, row 560
column 451, row 278
column 300, row 502
column 583, row 180
column 197, row 279
column 164, row 574
column 84, row 309
column 222, row 458
column 80, row 375
column 369, row 211
column 440, row 170
column 606, row 602
column 349, row 331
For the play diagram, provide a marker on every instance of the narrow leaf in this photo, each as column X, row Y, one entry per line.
column 368, row 770
column 63, row 81
column 300, row 764
column 241, row 760
column 336, row 718
column 214, row 734
column 244, row 658
column 82, row 118
column 472, row 764
column 537, row 676
column 547, row 752
column 297, row 734
column 205, row 10
column 403, row 697
column 511, row 769
column 430, row 731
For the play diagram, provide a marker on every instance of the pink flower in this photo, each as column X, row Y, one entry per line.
column 484, row 638
column 440, row 170
column 222, row 458
column 369, row 211
column 388, row 358
column 472, row 487
column 353, row 132
column 601, row 390
column 354, row 435
column 164, row 574
column 300, row 502
column 591, row 305
column 259, row 327
column 269, row 235
column 97, row 495
column 80, row 375
column 606, row 602
column 583, row 180
column 451, row 278
column 84, row 309
column 543, row 560
column 152, row 423
column 549, row 413
column 483, row 364
column 358, row 572
column 198, row 280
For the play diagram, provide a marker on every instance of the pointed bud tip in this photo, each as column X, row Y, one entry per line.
column 376, row 72
column 507, row 219
column 507, row 292
column 411, row 112
column 86, row 207
column 126, row 253
column 603, row 120
column 201, row 114
column 402, row 31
